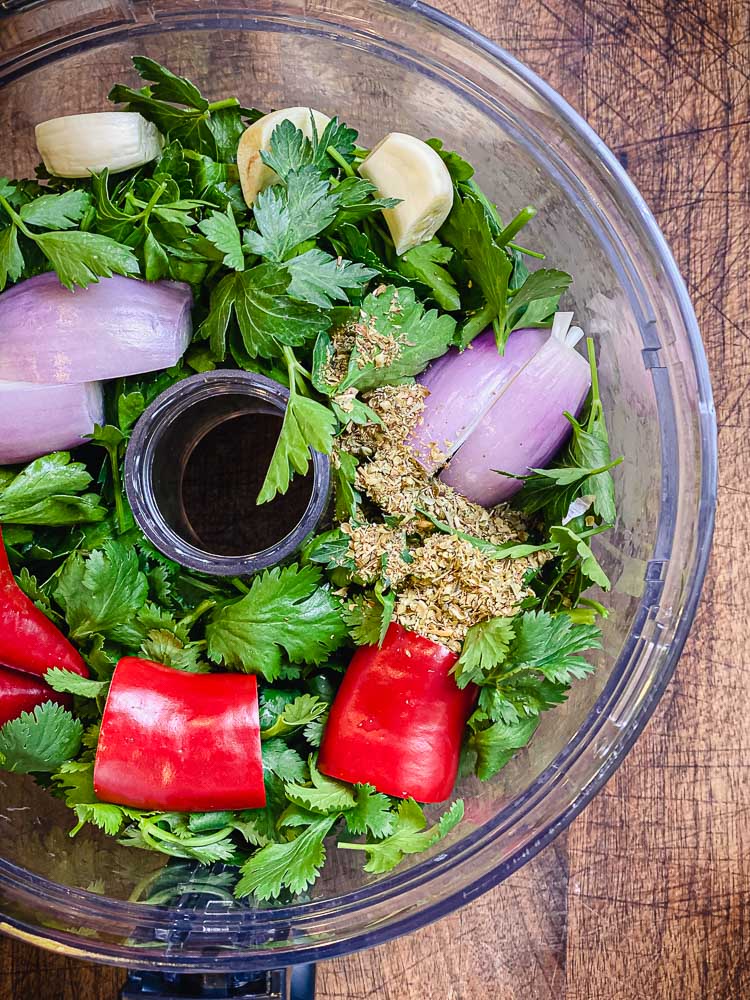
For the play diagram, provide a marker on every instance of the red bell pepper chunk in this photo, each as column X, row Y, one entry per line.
column 398, row 719
column 28, row 639
column 181, row 742
column 21, row 693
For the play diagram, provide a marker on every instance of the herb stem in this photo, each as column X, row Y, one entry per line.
column 153, row 200
column 515, row 225
column 189, row 620
column 236, row 582
column 228, row 102
column 16, row 218
column 342, row 161
column 595, row 398
column 527, row 252
column 205, row 840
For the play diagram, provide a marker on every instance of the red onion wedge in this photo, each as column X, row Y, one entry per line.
column 118, row 326
column 526, row 425
column 38, row 419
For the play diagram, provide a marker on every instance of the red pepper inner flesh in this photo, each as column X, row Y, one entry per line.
column 176, row 741
column 398, row 719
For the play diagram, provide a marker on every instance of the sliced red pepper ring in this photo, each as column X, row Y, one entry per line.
column 181, row 742
column 21, row 693
column 29, row 641
column 398, row 719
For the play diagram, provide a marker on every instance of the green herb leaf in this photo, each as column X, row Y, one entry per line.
column 572, row 550
column 496, row 745
column 545, row 286
column 364, row 618
column 167, row 86
column 11, row 258
column 287, row 216
column 419, row 336
column 408, row 837
column 320, row 279
column 307, row 424
column 102, row 594
column 285, row 609
column 323, row 795
column 283, row 761
column 165, row 647
column 485, row 647
column 40, row 741
column 423, row 263
column 80, row 258
column 56, row 211
column 294, row 865
column 221, row 229
column 68, row 682
column 372, row 813
column 45, row 493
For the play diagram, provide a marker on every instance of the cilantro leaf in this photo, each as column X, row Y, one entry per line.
column 423, row 263
column 485, row 647
column 409, row 836
column 76, row 780
column 40, row 741
column 320, row 279
column 307, row 424
column 495, row 745
column 364, row 618
column 552, row 645
column 163, row 646
column 67, row 681
column 80, row 258
column 45, row 492
column 294, row 865
column 266, row 314
column 372, row 813
column 283, row 761
column 418, row 336
column 285, row 609
column 221, row 229
column 103, row 593
column 288, row 215
column 56, row 211
column 323, row 795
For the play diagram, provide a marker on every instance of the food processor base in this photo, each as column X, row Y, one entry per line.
column 297, row 983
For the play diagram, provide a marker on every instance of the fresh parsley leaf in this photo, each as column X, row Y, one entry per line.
column 221, row 229
column 66, row 681
column 11, row 258
column 294, row 865
column 307, row 424
column 167, row 86
column 322, row 795
column 103, row 593
column 572, row 550
column 408, row 837
column 372, row 813
column 419, row 336
column 485, row 647
column 543, row 286
column 346, row 497
column 288, row 215
column 291, row 150
column 266, row 314
column 459, row 169
column 56, row 211
column 320, row 279
column 40, row 741
column 424, row 263
column 130, row 405
column 80, row 258
column 495, row 745
column 356, row 200
column 285, row 609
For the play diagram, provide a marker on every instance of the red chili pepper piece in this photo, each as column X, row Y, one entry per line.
column 181, row 742
column 28, row 639
column 398, row 719
column 21, row 693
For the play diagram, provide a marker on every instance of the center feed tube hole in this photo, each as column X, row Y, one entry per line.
column 196, row 463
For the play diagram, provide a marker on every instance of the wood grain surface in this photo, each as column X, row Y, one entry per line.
column 647, row 896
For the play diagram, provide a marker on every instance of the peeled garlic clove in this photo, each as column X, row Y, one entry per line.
column 402, row 166
column 254, row 174
column 79, row 145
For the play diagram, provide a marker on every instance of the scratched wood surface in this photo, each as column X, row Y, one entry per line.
column 647, row 896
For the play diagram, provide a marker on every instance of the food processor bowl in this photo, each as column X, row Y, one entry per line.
column 384, row 65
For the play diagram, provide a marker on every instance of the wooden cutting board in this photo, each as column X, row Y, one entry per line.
column 647, row 896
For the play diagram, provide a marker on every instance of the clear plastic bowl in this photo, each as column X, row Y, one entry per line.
column 401, row 66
